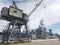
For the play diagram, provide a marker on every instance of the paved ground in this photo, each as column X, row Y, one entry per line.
column 38, row 42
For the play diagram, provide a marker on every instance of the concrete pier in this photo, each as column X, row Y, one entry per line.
column 39, row 42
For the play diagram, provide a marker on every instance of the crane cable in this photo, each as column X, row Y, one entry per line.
column 37, row 5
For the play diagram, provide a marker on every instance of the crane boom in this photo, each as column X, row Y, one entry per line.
column 37, row 5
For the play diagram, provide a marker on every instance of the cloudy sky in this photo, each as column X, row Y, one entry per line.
column 49, row 11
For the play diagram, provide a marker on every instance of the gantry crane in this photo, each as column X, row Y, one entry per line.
column 16, row 17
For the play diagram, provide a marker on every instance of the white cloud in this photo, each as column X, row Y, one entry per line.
column 3, row 5
column 50, row 14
